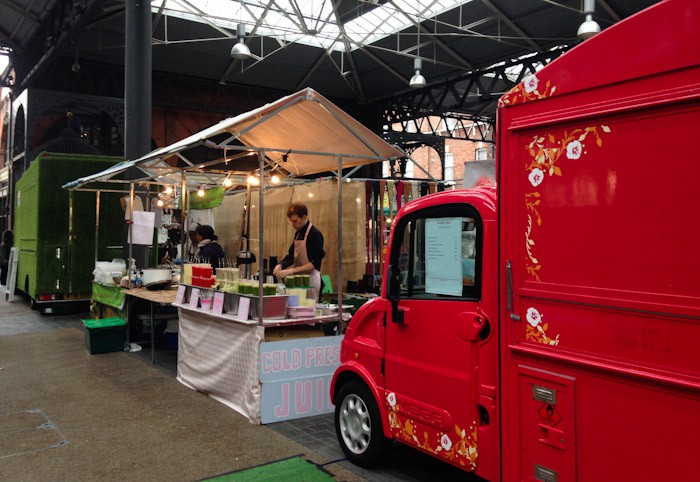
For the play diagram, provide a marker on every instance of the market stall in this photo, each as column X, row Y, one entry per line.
column 297, row 136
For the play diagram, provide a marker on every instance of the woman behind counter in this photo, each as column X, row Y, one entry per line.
column 208, row 249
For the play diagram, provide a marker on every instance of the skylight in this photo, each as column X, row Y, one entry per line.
column 310, row 22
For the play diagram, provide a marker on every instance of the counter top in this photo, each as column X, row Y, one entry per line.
column 164, row 297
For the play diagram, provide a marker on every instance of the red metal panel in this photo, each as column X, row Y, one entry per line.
column 547, row 425
column 596, row 184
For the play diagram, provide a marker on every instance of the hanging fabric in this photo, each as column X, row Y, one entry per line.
column 423, row 189
column 399, row 194
column 415, row 191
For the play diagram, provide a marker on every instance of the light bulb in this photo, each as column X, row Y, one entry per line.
column 160, row 203
column 253, row 181
column 228, row 182
column 200, row 192
column 275, row 179
column 168, row 190
column 311, row 194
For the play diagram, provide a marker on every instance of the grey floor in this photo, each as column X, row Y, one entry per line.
column 316, row 433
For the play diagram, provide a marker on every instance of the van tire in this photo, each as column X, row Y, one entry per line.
column 358, row 425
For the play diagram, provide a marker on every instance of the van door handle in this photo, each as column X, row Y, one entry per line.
column 509, row 292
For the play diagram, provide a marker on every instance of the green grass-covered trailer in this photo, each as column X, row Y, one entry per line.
column 55, row 230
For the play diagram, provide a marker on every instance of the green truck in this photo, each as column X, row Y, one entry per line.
column 55, row 230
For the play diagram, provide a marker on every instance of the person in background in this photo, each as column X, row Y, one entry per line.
column 306, row 252
column 8, row 240
column 208, row 249
column 192, row 241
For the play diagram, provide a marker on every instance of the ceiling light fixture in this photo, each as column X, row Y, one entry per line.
column 417, row 81
column 240, row 50
column 589, row 27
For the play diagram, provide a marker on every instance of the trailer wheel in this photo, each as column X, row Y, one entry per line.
column 358, row 425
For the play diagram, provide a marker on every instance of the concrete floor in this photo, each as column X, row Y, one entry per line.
column 69, row 415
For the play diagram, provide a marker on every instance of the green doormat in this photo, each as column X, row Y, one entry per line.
column 294, row 469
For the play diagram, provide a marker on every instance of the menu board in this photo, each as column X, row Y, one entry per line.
column 443, row 251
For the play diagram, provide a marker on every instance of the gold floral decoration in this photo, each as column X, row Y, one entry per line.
column 545, row 153
column 527, row 90
column 458, row 447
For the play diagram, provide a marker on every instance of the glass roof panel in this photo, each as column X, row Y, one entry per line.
column 310, row 22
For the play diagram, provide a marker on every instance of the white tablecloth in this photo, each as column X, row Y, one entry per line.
column 219, row 357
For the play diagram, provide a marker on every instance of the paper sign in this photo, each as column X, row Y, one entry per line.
column 243, row 309
column 180, row 296
column 194, row 298
column 443, row 245
column 218, row 307
column 141, row 231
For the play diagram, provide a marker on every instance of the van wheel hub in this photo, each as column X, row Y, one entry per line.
column 355, row 424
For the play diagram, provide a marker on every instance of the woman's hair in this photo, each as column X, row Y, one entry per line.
column 8, row 237
column 206, row 231
column 297, row 208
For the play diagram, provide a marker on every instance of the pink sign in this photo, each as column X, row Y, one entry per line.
column 218, row 306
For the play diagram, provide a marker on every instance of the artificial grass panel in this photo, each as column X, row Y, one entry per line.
column 55, row 258
column 295, row 469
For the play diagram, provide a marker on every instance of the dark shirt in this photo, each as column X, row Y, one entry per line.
column 314, row 247
column 212, row 253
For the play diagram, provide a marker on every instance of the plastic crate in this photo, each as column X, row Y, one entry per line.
column 104, row 335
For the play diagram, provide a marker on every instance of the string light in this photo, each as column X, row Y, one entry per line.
column 311, row 194
column 253, row 181
column 160, row 203
column 200, row 192
column 168, row 190
column 275, row 179
column 228, row 182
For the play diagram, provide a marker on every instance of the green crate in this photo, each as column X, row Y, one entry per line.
column 104, row 335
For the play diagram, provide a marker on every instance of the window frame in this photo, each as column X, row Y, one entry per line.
column 453, row 210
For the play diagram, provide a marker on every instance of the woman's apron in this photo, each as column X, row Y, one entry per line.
column 301, row 257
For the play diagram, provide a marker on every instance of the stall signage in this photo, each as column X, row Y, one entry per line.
column 218, row 306
column 194, row 298
column 296, row 375
column 180, row 296
column 243, row 309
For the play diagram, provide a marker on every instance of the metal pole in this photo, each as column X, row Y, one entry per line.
column 69, row 254
column 130, row 208
column 185, row 227
column 97, row 223
column 261, row 275
column 10, row 158
column 137, row 79
column 341, row 324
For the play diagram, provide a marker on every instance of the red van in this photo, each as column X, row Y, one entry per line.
column 549, row 329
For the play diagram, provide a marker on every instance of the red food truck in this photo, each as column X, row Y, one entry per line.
column 548, row 329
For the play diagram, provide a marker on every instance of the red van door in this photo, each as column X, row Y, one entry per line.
column 433, row 331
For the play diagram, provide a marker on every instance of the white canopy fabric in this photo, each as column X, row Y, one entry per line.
column 297, row 135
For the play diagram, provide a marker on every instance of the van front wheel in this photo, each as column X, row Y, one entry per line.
column 358, row 425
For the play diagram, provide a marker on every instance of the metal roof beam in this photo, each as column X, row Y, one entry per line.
column 502, row 16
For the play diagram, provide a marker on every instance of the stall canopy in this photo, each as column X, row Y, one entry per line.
column 299, row 135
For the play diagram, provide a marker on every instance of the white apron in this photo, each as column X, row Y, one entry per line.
column 301, row 258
